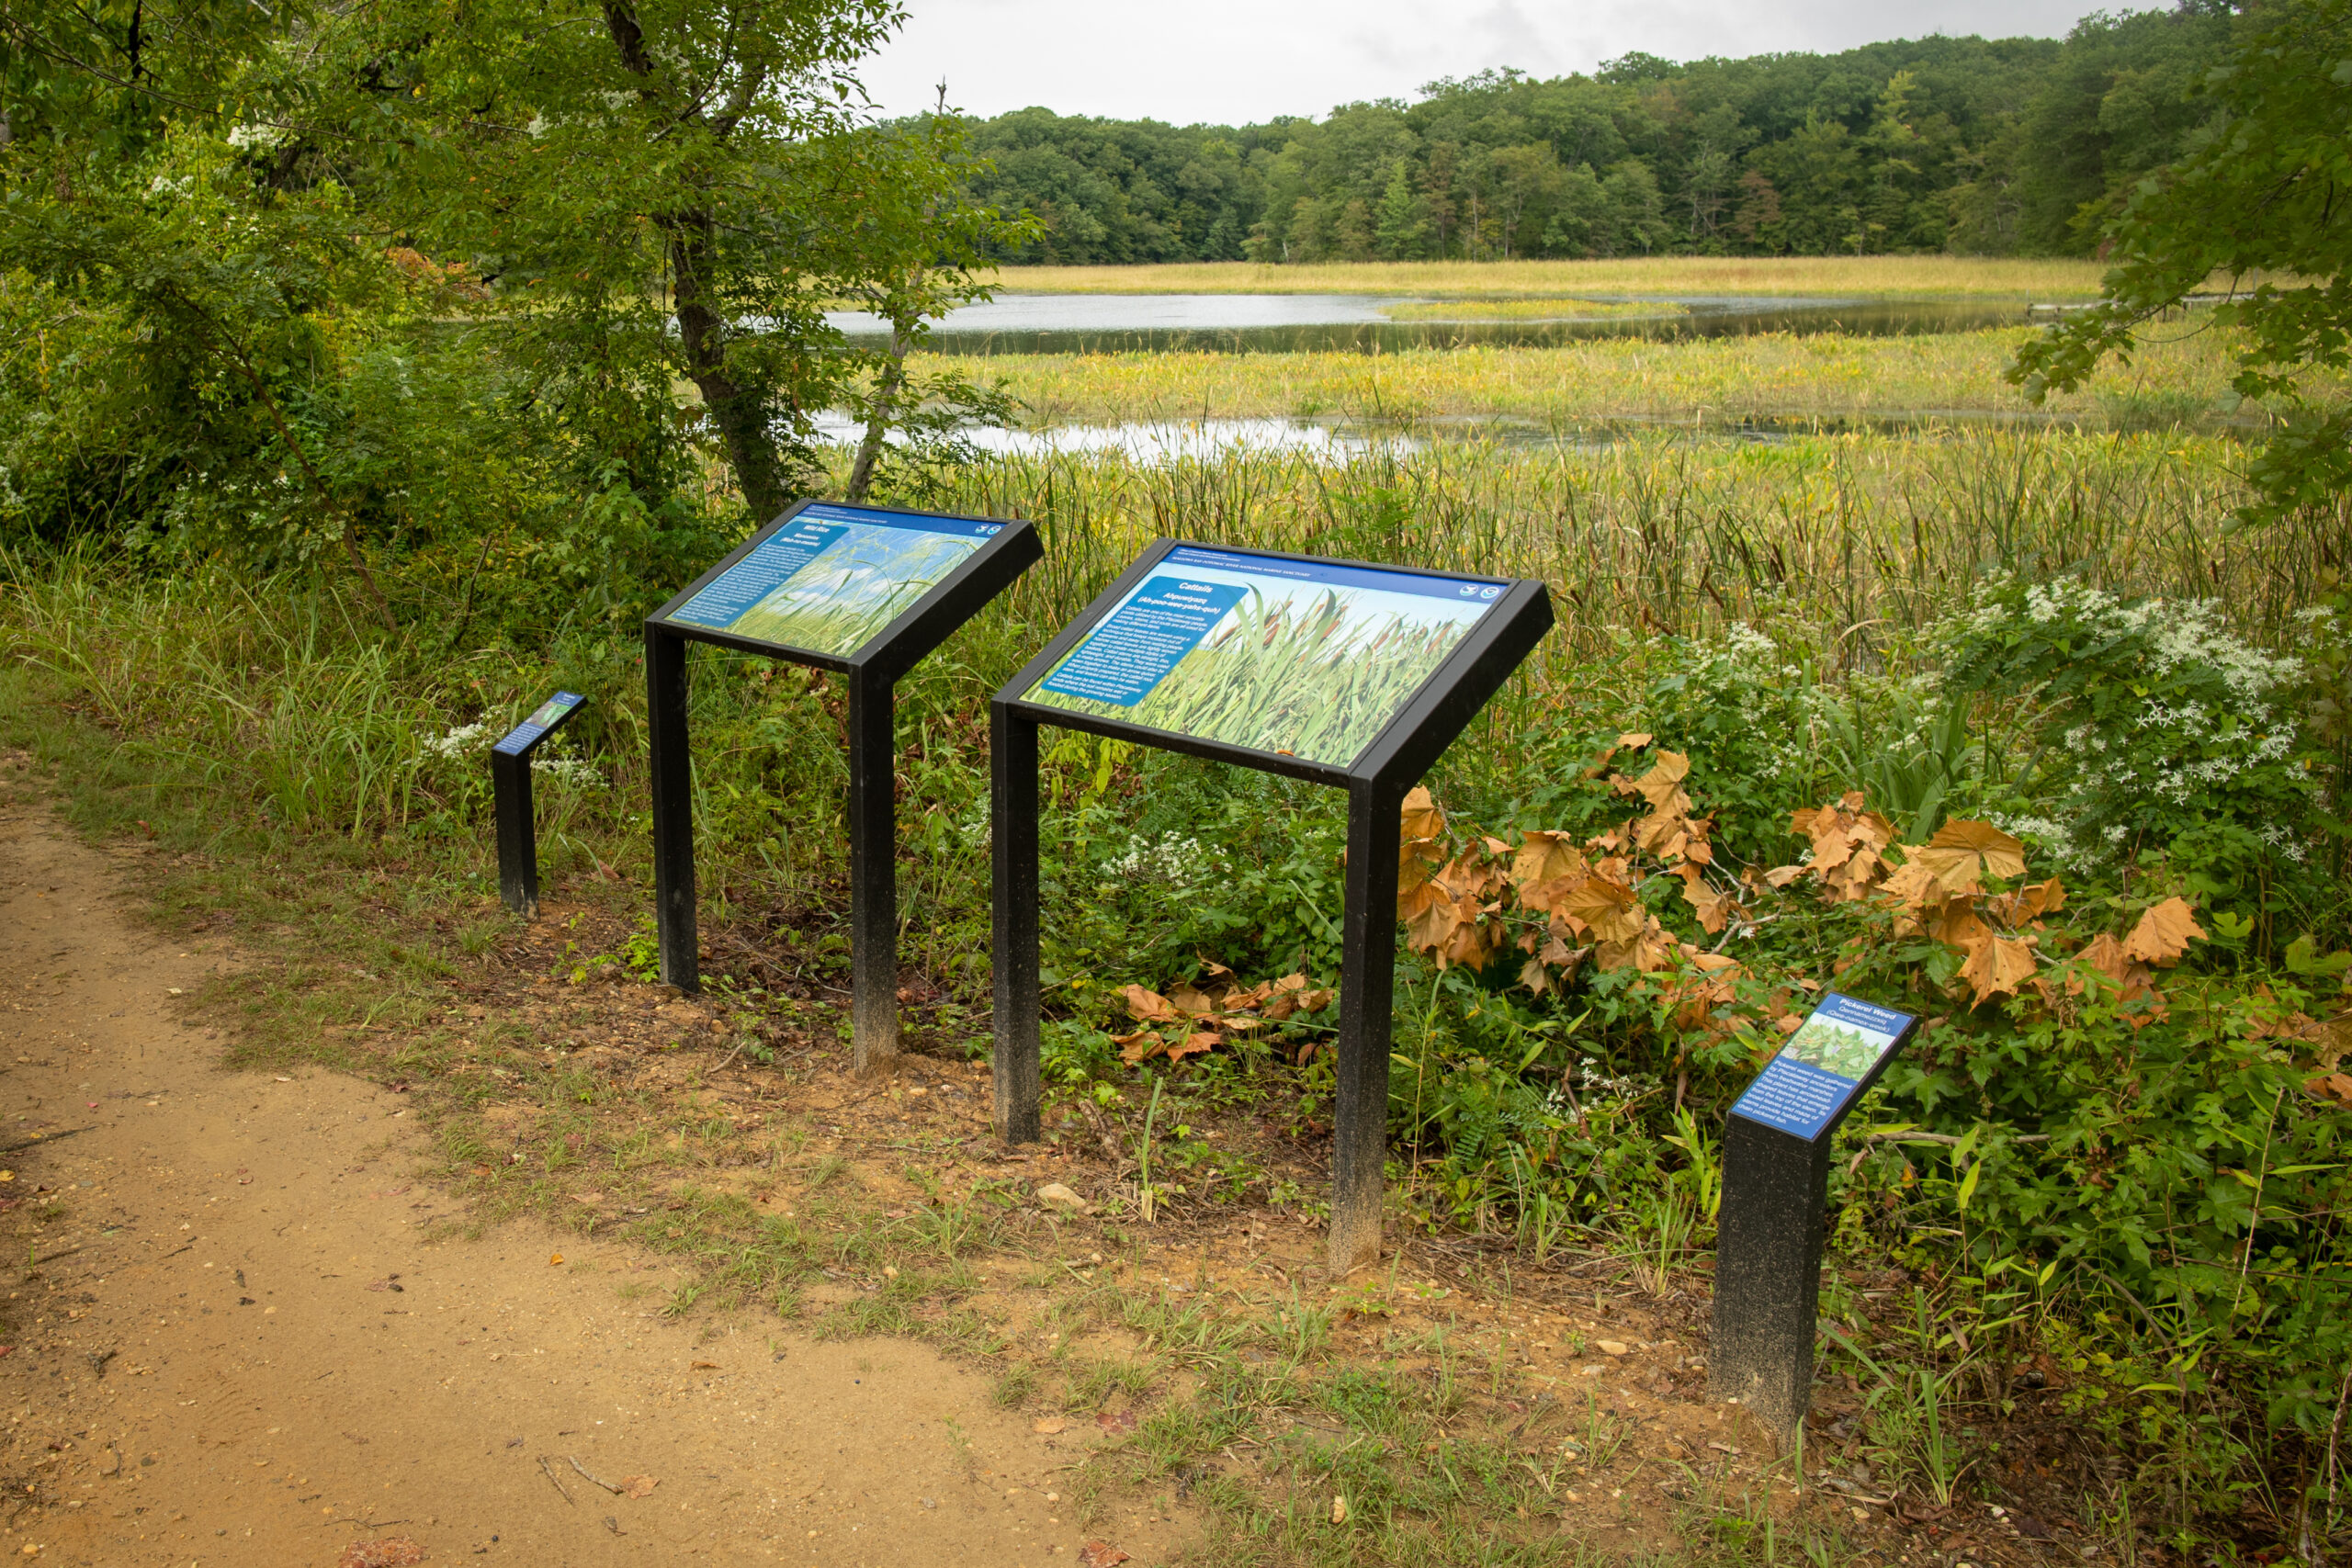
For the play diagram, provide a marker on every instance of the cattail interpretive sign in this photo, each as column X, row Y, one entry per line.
column 1776, row 1189
column 1341, row 673
column 864, row 591
column 1296, row 657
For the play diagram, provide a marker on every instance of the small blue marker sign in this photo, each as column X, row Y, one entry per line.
column 1824, row 1064
column 548, row 714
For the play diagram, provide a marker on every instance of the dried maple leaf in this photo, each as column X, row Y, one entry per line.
column 1100, row 1554
column 1662, row 785
column 1190, row 1003
column 1135, row 1048
column 1607, row 909
column 1635, row 739
column 1148, row 1007
column 1195, row 1044
column 1545, row 858
column 1998, row 965
column 1421, row 819
column 637, row 1485
column 1713, row 907
column 2163, row 933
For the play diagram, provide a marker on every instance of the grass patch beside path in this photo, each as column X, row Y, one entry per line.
column 1879, row 277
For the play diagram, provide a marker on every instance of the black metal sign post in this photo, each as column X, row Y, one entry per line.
column 863, row 591
column 1164, row 657
column 1775, row 1201
column 510, row 783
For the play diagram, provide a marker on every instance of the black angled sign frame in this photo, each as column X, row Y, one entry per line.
column 793, row 592
column 1170, row 613
column 510, row 784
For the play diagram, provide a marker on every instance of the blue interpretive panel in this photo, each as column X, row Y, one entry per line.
column 832, row 577
column 546, row 717
column 1302, row 657
column 1809, row 1085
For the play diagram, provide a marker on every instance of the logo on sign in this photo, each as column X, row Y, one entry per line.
column 1489, row 593
column 991, row 527
column 1469, row 591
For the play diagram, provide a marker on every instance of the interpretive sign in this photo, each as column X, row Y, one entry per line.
column 827, row 578
column 1776, row 1190
column 1824, row 1064
column 510, row 787
column 1338, row 671
column 540, row 725
column 862, row 591
column 1294, row 656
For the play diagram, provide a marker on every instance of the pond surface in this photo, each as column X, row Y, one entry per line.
column 1167, row 441
column 1099, row 323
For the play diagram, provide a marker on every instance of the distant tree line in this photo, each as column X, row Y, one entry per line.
column 2003, row 146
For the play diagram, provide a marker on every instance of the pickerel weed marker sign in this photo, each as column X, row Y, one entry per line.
column 1776, row 1189
column 864, row 591
column 1336, row 671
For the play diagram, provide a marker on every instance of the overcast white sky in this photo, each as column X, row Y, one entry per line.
column 1230, row 62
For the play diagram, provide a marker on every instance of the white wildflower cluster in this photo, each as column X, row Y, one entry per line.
column 249, row 137
column 569, row 770
column 2207, row 715
column 2051, row 837
column 1177, row 861
column 459, row 743
column 1598, row 1088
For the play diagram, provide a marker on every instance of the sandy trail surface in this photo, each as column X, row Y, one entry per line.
column 233, row 1338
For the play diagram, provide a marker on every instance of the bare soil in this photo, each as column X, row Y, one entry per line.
column 237, row 1335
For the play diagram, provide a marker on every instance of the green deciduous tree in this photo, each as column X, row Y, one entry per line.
column 2264, row 192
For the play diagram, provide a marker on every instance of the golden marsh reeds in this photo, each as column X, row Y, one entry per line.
column 1869, row 535
column 2181, row 375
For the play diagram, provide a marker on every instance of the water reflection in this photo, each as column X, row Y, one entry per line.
column 1103, row 323
column 1344, row 440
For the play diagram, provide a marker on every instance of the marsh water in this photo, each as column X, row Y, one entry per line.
column 1099, row 323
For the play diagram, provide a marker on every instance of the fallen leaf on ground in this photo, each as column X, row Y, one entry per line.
column 392, row 1551
column 554, row 1258
column 1047, row 1426
column 1117, row 1422
column 1054, row 1195
column 703, row 1367
column 637, row 1485
column 1339, row 1510
column 1100, row 1554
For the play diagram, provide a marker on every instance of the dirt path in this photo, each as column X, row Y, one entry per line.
column 230, row 1340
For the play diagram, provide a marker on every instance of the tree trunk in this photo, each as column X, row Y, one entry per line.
column 878, row 416
column 740, row 413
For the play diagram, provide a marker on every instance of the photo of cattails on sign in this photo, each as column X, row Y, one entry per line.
column 829, row 578
column 1302, row 657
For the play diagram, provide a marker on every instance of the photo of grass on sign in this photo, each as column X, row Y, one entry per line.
column 832, row 577
column 1834, row 1047
column 861, row 584
column 1300, row 658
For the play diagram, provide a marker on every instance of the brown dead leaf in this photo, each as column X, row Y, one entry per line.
column 1190, row 1002
column 1545, row 859
column 1998, row 965
column 1635, row 738
column 1713, row 905
column 1100, row 1554
column 1135, row 1048
column 702, row 1367
column 2331, row 1086
column 637, row 1485
column 1607, row 909
column 1194, row 1045
column 1148, row 1007
column 1118, row 1422
column 2163, row 933
column 1421, row 819
column 1045, row 1426
column 2002, row 856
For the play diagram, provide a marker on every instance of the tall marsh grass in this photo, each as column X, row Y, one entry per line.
column 1863, row 534
column 2181, row 375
